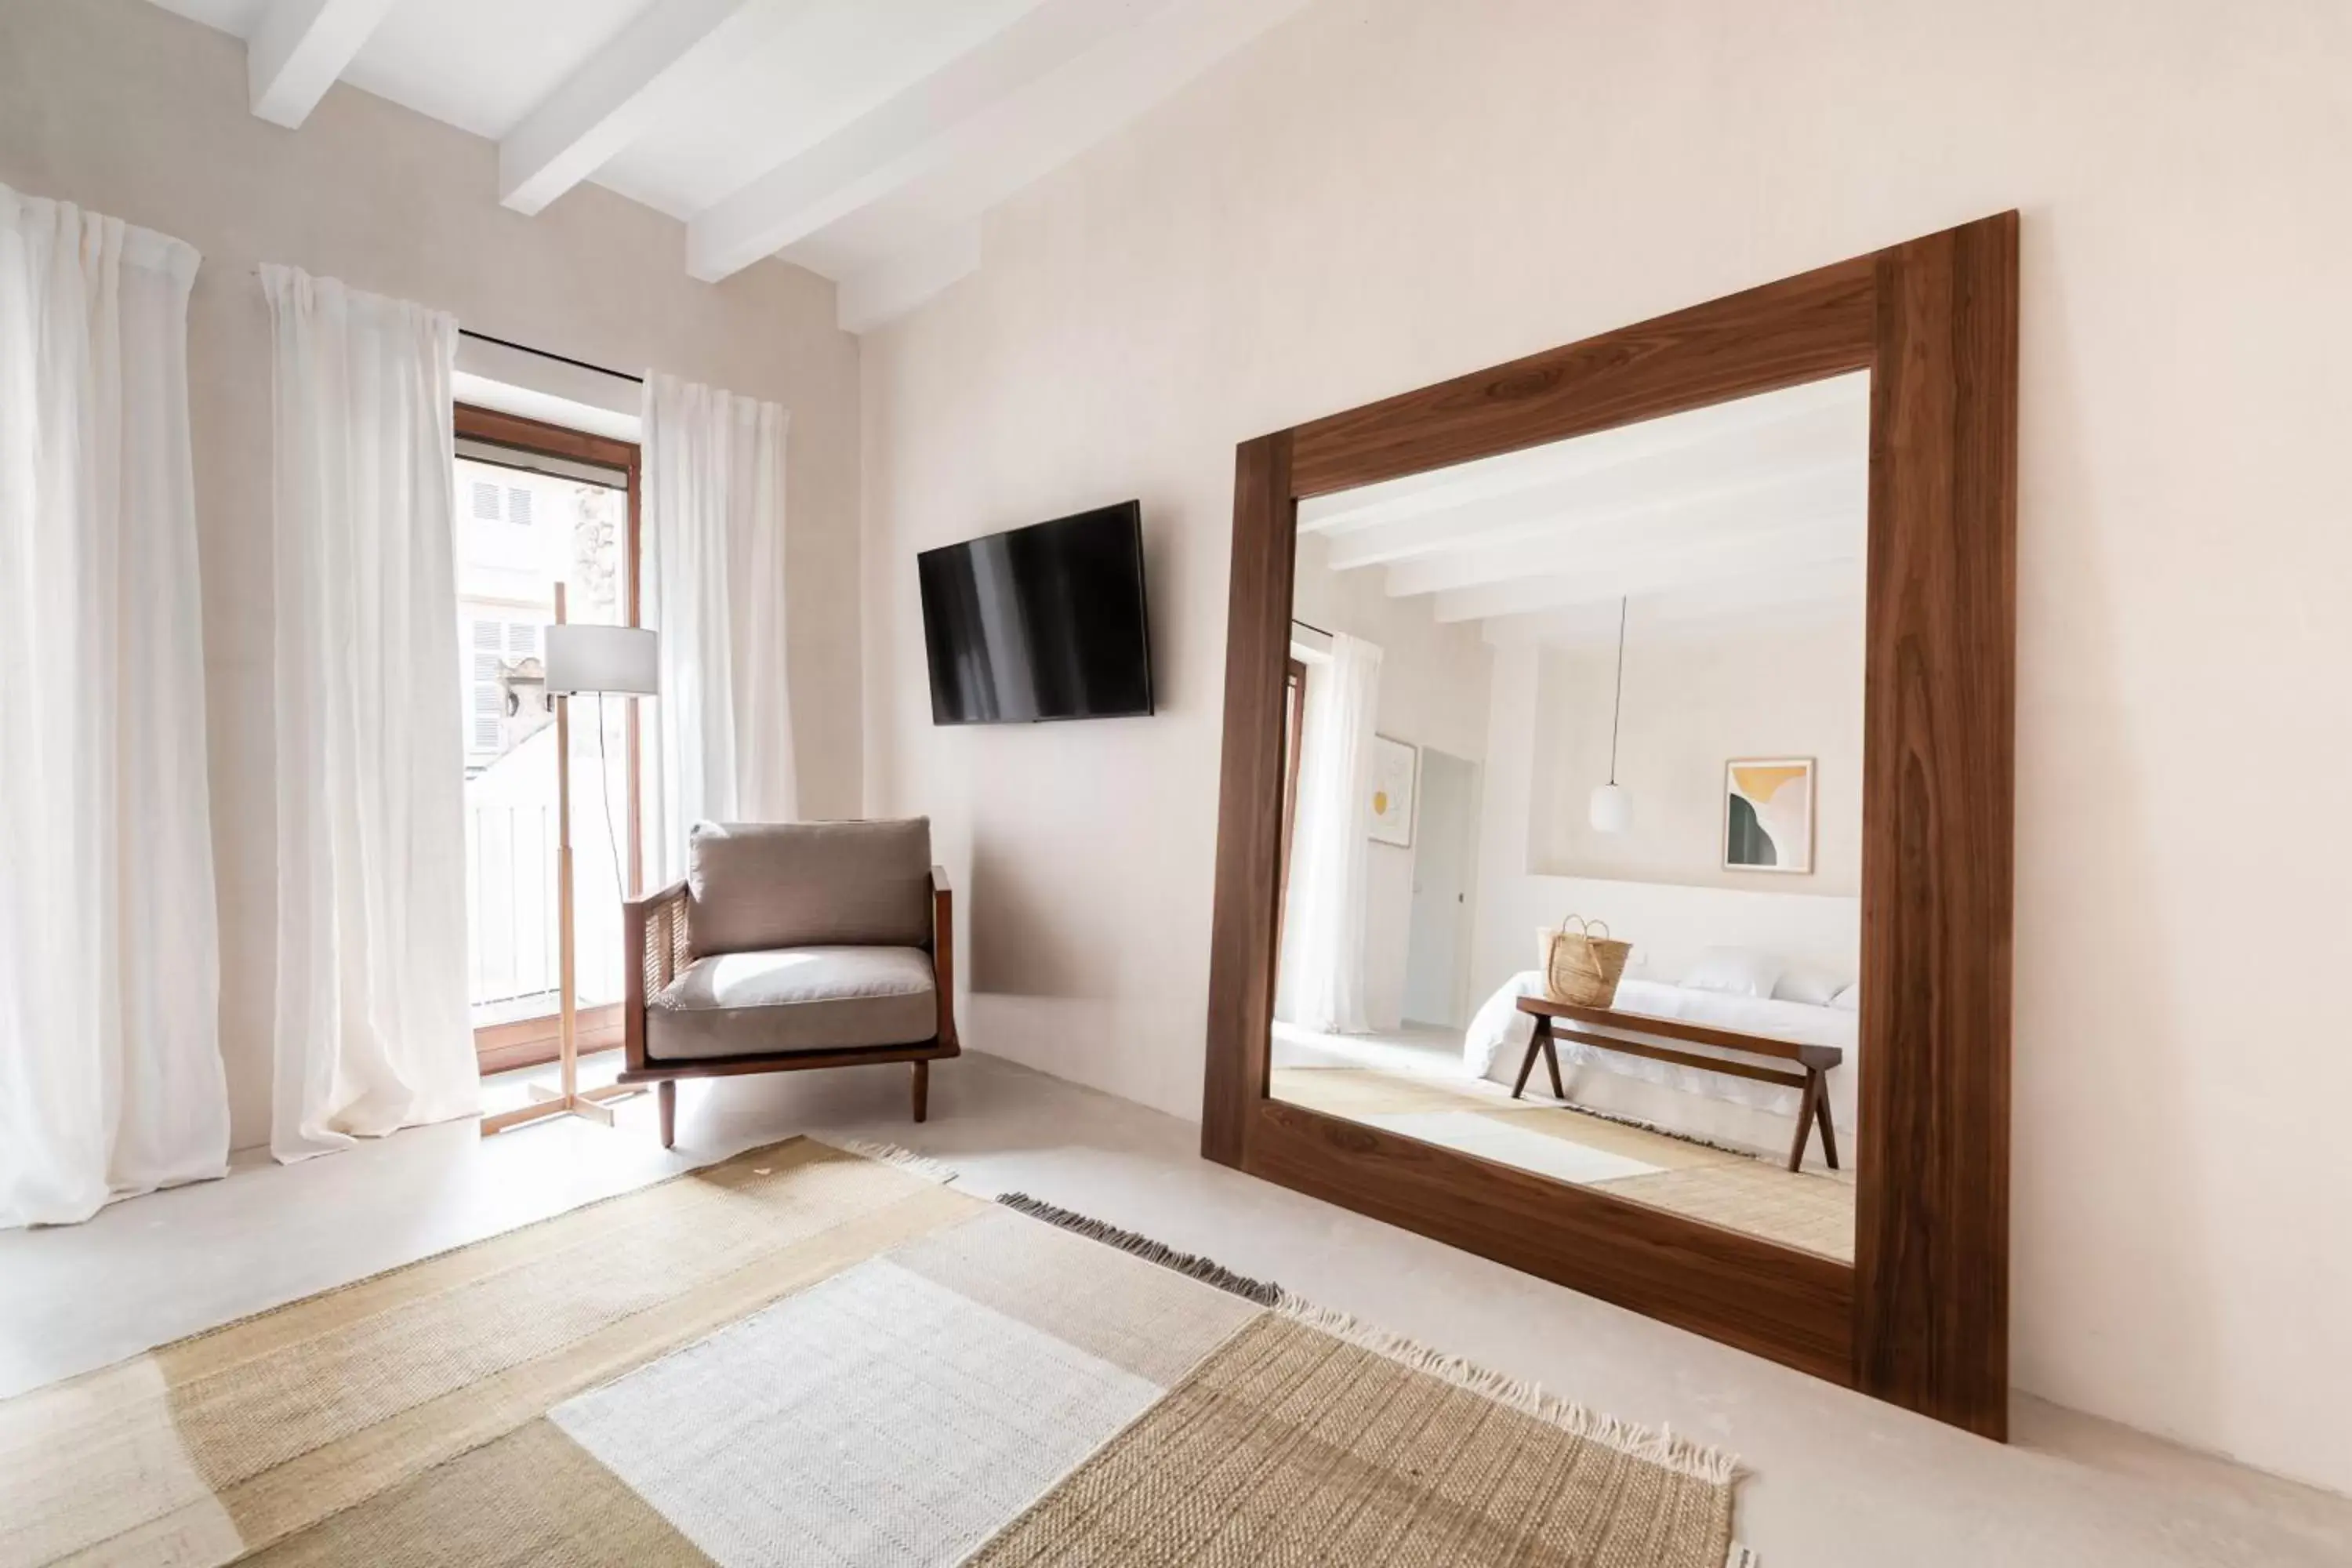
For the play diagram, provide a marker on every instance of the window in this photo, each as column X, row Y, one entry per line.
column 523, row 530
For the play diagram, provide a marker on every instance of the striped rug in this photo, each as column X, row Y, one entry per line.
column 808, row 1355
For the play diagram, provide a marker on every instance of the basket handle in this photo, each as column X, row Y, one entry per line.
column 1588, row 926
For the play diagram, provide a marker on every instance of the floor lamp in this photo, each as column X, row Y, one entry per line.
column 579, row 658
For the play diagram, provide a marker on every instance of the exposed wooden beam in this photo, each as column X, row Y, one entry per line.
column 299, row 50
column 605, row 104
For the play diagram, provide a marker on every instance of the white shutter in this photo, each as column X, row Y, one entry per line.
column 486, row 724
column 485, row 501
column 518, row 507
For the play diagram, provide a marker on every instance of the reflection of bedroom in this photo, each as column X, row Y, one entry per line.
column 1621, row 678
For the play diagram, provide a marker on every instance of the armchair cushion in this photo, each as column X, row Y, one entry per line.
column 780, row 1002
column 756, row 887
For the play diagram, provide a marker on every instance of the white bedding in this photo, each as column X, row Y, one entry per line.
column 1498, row 1035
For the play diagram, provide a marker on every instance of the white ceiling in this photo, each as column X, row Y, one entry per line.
column 862, row 139
column 1754, row 509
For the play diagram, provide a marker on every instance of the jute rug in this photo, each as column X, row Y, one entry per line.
column 811, row 1355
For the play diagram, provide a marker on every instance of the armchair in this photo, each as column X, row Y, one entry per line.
column 789, row 946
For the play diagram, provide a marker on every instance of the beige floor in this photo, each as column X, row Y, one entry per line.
column 1837, row 1482
column 1812, row 1209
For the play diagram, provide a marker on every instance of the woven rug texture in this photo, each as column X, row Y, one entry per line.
column 805, row 1355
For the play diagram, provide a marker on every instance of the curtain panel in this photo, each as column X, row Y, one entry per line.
column 1324, row 982
column 714, row 562
column 373, row 1031
column 111, row 1079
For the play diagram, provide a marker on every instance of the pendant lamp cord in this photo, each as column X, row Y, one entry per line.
column 1617, row 710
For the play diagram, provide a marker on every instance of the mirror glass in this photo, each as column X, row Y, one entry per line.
column 1573, row 812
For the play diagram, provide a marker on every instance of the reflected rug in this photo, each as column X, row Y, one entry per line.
column 824, row 1355
column 1811, row 1209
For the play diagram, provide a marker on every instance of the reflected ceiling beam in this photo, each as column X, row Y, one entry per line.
column 1809, row 595
column 300, row 48
column 947, row 115
column 609, row 101
column 1835, row 499
column 1816, row 421
column 1757, row 462
column 1764, row 556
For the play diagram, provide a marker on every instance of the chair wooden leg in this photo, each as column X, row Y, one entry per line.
column 1551, row 1059
column 668, row 1098
column 922, row 1090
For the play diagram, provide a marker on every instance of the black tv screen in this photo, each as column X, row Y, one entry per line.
column 1044, row 622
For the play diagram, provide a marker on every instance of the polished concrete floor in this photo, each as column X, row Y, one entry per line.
column 1834, row 1481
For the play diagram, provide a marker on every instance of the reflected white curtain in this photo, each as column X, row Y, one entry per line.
column 1324, row 982
column 714, row 560
column 372, row 1030
column 111, row 1078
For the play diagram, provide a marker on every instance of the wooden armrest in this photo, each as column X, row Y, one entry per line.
column 676, row 890
column 653, row 947
column 943, row 951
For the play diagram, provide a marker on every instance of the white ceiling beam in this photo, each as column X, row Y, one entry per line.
column 1831, row 415
column 1805, row 595
column 1832, row 498
column 1636, row 574
column 1630, row 492
column 608, row 102
column 879, row 294
column 299, row 50
column 1003, row 115
column 911, row 133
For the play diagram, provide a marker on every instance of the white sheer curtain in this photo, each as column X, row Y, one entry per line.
column 373, row 1031
column 110, row 974
column 1323, row 984
column 714, row 529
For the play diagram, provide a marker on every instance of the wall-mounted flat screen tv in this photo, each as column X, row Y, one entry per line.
column 1044, row 622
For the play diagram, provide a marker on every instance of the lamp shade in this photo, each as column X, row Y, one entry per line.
column 587, row 658
column 1613, row 808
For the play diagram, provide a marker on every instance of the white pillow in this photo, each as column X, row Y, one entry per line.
column 1802, row 983
column 1849, row 998
column 1735, row 971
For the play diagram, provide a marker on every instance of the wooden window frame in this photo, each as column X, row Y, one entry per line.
column 532, row 1041
column 1921, row 1317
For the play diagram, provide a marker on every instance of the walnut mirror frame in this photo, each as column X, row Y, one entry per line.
column 1921, row 1317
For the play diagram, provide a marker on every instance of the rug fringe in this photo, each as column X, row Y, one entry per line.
column 1662, row 1447
column 1206, row 1270
column 906, row 1160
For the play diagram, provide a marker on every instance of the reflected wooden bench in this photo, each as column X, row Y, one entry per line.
column 1809, row 1076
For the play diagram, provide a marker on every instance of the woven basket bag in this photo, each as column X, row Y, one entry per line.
column 1580, row 967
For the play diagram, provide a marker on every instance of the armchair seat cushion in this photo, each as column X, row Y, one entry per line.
column 785, row 1001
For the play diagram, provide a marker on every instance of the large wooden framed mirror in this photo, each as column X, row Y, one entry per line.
column 1824, row 466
